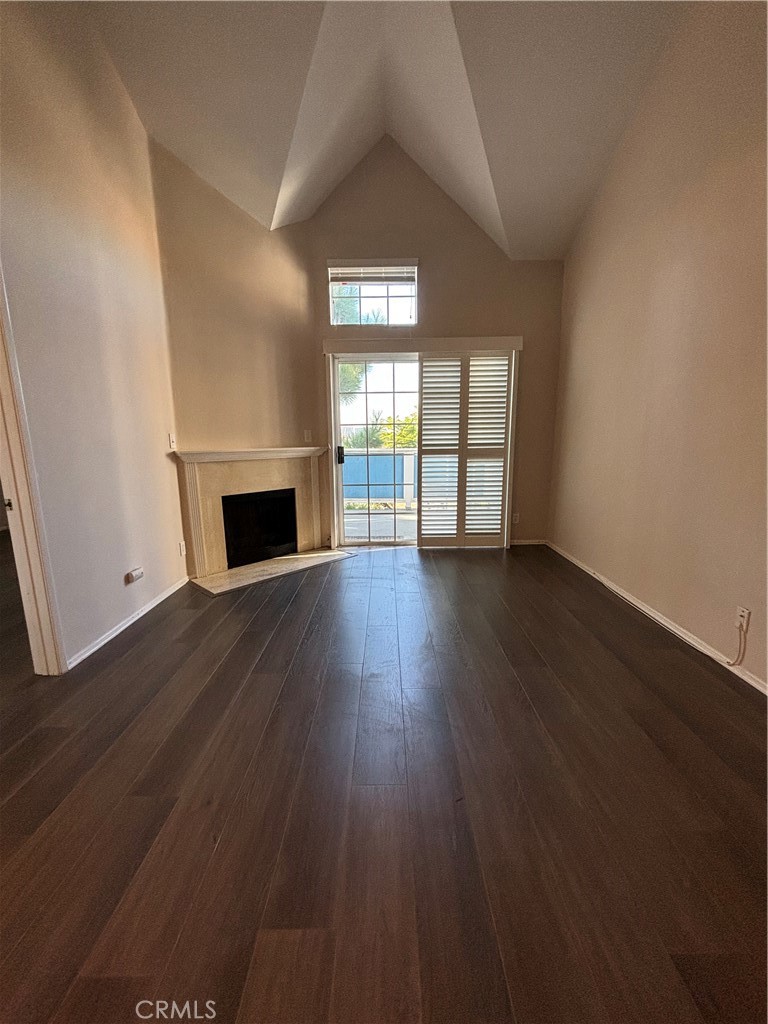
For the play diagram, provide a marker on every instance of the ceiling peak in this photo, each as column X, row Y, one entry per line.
column 513, row 109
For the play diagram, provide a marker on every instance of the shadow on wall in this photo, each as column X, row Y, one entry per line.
column 239, row 314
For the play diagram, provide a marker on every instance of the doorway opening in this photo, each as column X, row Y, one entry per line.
column 14, row 637
column 26, row 568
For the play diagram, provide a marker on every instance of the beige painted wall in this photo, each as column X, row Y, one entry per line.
column 80, row 258
column 248, row 308
column 659, row 474
column 239, row 318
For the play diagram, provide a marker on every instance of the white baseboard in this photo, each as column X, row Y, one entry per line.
column 512, row 543
column 86, row 651
column 673, row 627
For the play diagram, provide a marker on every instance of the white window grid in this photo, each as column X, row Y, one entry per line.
column 398, row 290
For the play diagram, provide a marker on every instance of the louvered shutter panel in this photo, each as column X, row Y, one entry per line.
column 488, row 391
column 487, row 419
column 464, row 440
column 439, row 496
column 440, row 404
column 439, row 424
column 485, row 499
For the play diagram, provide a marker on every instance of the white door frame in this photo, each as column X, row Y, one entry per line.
column 25, row 520
column 515, row 370
column 332, row 435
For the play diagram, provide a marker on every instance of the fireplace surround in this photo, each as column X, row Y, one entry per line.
column 205, row 477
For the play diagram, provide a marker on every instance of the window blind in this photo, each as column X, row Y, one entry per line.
column 372, row 275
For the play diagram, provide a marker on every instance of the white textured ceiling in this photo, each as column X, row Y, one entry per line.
column 513, row 108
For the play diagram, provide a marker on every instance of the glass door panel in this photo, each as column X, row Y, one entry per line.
column 377, row 415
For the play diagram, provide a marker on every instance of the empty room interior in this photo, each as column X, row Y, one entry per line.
column 383, row 543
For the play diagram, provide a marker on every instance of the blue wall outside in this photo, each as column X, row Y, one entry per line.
column 381, row 475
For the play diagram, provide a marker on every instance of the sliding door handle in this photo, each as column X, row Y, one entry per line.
column 340, row 454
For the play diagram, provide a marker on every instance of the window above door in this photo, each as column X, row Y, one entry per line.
column 373, row 292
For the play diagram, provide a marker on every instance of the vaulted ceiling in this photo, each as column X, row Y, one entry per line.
column 513, row 108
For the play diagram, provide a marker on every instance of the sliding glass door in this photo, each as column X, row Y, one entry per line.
column 423, row 448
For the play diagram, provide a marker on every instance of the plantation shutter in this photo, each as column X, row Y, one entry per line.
column 439, row 426
column 464, row 449
column 487, row 428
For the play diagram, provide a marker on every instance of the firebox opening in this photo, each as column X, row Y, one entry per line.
column 259, row 525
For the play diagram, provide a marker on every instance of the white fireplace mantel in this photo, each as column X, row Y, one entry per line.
column 245, row 454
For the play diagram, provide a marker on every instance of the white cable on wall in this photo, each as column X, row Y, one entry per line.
column 742, row 647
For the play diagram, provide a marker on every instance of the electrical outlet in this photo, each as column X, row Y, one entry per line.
column 134, row 574
column 182, row 548
column 172, row 442
column 515, row 518
column 743, row 615
column 307, row 435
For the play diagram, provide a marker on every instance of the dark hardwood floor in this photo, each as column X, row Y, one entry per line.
column 443, row 787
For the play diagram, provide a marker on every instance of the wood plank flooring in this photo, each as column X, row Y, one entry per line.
column 467, row 787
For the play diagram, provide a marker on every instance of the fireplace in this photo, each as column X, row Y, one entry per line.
column 206, row 476
column 259, row 525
